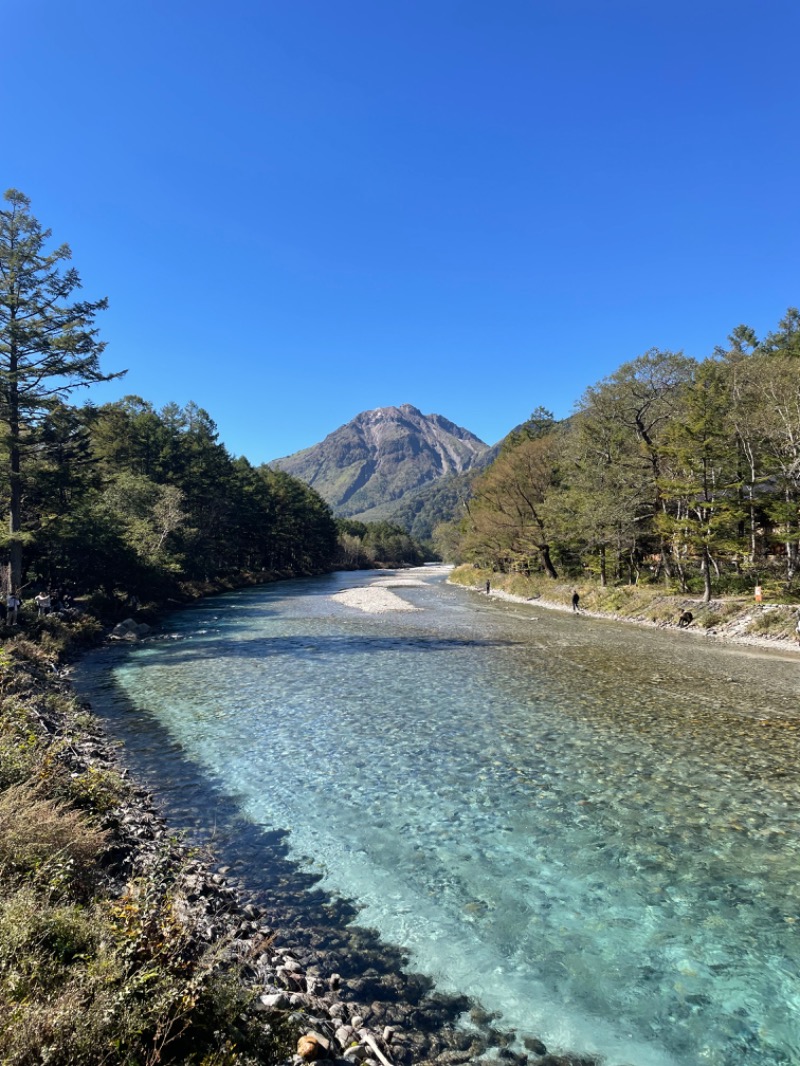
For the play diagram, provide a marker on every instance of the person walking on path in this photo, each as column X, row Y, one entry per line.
column 488, row 587
column 13, row 604
column 575, row 601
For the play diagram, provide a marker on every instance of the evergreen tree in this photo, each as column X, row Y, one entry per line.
column 639, row 400
column 700, row 476
column 603, row 496
column 48, row 346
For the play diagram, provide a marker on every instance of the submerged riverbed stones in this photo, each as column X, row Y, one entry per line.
column 351, row 994
column 534, row 1045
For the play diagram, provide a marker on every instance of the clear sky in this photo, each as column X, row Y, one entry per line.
column 300, row 210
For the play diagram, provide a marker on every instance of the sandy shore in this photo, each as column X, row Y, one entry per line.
column 377, row 597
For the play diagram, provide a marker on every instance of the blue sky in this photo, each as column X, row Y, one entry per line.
column 303, row 209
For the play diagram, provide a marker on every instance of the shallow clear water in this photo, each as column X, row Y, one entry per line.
column 589, row 827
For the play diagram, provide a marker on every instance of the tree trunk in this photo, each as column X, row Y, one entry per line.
column 548, row 563
column 682, row 577
column 602, row 560
column 14, row 471
column 664, row 562
column 705, row 566
column 752, row 517
column 791, row 547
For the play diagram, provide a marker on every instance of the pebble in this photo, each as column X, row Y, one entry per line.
column 274, row 1001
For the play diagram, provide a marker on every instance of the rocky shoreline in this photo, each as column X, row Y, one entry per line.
column 350, row 996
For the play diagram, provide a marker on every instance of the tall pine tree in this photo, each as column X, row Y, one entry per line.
column 48, row 347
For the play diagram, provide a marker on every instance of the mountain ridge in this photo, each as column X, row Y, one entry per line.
column 382, row 456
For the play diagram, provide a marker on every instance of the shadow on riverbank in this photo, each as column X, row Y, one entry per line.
column 321, row 930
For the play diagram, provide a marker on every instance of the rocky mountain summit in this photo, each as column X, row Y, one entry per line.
column 382, row 456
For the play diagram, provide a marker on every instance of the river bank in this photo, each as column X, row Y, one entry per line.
column 118, row 935
column 284, row 639
column 211, row 970
column 117, row 939
column 729, row 620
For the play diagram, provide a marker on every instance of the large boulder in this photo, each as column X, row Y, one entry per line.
column 130, row 629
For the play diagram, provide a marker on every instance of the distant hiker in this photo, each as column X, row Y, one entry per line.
column 13, row 604
column 685, row 620
column 43, row 604
column 575, row 601
column 488, row 587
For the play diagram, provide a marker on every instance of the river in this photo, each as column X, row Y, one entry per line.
column 589, row 828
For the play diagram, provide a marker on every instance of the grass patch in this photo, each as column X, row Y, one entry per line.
column 718, row 614
column 95, row 968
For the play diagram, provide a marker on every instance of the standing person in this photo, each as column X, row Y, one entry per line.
column 488, row 587
column 43, row 603
column 575, row 601
column 13, row 604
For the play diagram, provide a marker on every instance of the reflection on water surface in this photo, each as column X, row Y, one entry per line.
column 589, row 827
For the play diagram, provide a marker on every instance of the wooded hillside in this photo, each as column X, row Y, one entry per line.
column 671, row 468
column 121, row 498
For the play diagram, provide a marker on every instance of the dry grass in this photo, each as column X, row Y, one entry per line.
column 44, row 838
column 774, row 622
column 93, row 972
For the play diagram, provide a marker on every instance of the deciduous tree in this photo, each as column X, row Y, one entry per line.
column 507, row 524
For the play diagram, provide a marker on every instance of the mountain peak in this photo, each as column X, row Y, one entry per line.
column 383, row 454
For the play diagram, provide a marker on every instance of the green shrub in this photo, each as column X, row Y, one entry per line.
column 97, row 789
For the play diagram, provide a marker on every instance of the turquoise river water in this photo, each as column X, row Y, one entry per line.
column 590, row 828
